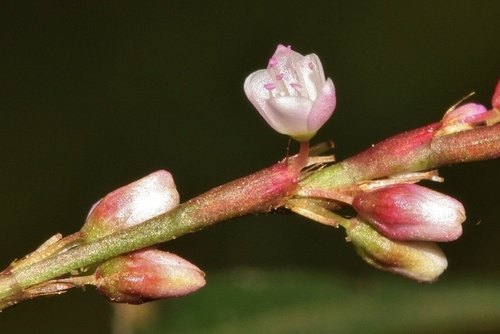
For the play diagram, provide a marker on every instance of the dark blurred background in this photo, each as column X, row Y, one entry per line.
column 95, row 95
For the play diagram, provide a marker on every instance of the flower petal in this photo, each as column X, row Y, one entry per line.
column 287, row 115
column 323, row 107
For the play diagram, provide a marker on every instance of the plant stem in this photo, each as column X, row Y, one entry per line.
column 416, row 150
column 259, row 192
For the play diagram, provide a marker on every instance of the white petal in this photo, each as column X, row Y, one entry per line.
column 288, row 114
column 312, row 79
column 256, row 92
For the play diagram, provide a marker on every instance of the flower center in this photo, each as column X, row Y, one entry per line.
column 286, row 80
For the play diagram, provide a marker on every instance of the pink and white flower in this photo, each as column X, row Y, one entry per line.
column 292, row 94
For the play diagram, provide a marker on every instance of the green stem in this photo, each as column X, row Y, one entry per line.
column 260, row 192
column 415, row 150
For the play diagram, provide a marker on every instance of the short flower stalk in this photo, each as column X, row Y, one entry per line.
column 396, row 228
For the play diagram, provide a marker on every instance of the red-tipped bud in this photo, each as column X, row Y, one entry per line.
column 495, row 101
column 147, row 275
column 130, row 205
column 468, row 113
column 466, row 117
column 419, row 260
column 471, row 115
column 412, row 212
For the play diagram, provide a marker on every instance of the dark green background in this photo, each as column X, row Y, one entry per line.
column 96, row 95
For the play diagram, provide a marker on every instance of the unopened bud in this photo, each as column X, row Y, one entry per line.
column 146, row 275
column 130, row 205
column 417, row 260
column 412, row 212
column 468, row 113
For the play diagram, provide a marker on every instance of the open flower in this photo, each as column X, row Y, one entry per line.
column 412, row 212
column 130, row 205
column 292, row 94
column 146, row 275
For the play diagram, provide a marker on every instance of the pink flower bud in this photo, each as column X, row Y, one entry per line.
column 132, row 204
column 495, row 101
column 292, row 94
column 468, row 113
column 418, row 260
column 146, row 275
column 412, row 212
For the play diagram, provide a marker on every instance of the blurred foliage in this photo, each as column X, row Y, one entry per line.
column 247, row 300
column 94, row 95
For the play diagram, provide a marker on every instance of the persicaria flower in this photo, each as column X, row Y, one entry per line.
column 411, row 212
column 130, row 205
column 419, row 260
column 292, row 94
column 147, row 275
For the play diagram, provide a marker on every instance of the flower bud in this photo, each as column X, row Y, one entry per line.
column 292, row 94
column 417, row 260
column 411, row 212
column 468, row 113
column 146, row 275
column 463, row 118
column 132, row 204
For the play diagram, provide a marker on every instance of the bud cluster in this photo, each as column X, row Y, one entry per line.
column 398, row 226
column 398, row 223
column 147, row 274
